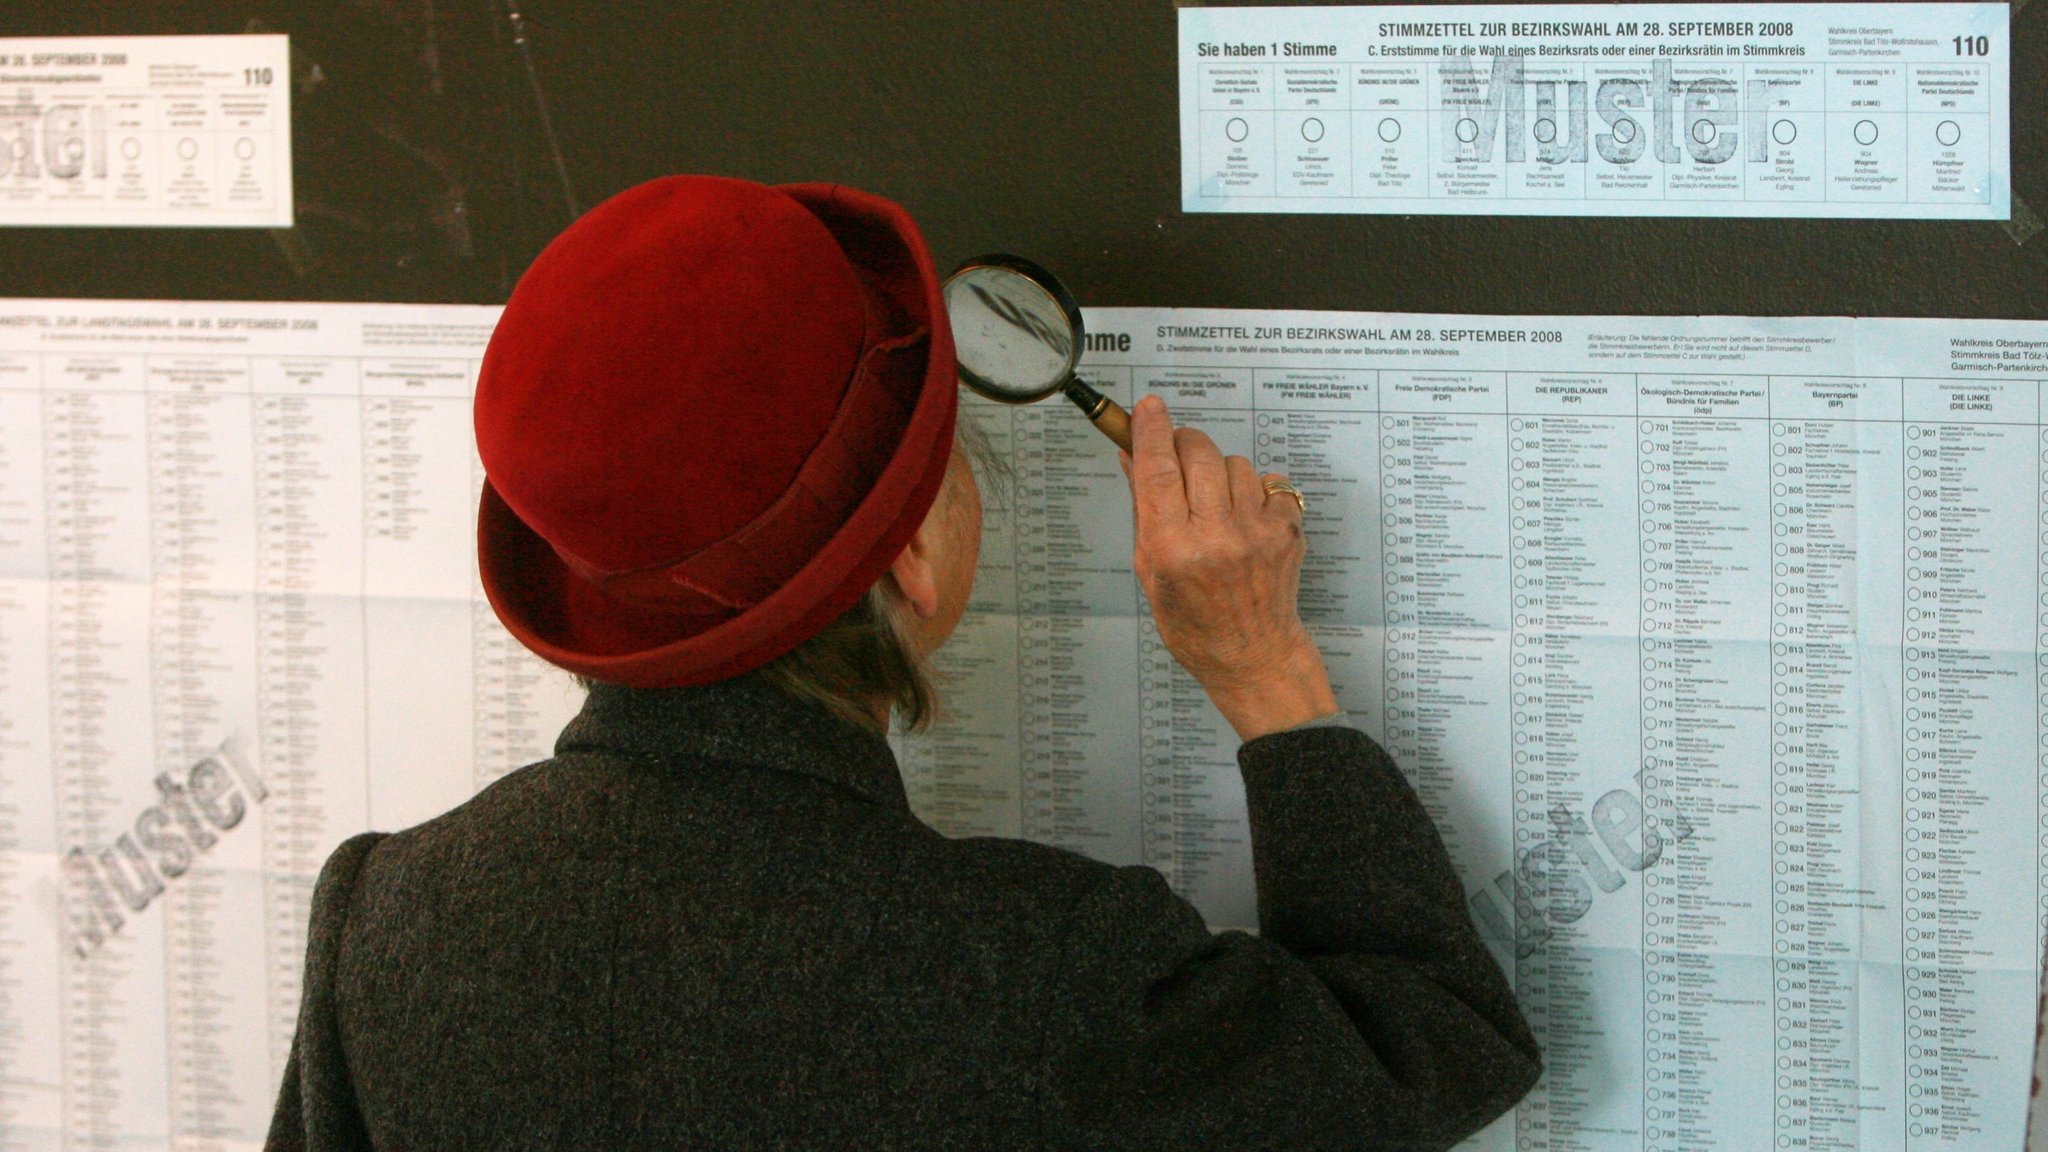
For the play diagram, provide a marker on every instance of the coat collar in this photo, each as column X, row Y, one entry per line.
column 741, row 722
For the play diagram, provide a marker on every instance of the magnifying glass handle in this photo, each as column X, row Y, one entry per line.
column 1106, row 414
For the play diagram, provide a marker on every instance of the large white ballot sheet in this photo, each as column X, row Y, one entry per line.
column 1841, row 110
column 239, row 622
column 1715, row 646
column 148, row 131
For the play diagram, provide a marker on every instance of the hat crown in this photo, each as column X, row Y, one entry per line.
column 665, row 367
column 711, row 416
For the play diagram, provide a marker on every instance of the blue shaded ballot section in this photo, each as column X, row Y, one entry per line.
column 1717, row 648
column 1812, row 110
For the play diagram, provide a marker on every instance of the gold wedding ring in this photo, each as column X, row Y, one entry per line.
column 1282, row 485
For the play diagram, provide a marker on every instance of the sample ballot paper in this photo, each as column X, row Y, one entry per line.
column 1841, row 110
column 1717, row 648
column 152, row 131
column 239, row 622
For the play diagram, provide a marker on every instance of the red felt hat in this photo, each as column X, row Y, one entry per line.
column 712, row 414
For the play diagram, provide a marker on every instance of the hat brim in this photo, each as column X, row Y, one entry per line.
column 570, row 623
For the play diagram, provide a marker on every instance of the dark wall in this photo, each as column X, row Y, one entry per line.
column 1045, row 127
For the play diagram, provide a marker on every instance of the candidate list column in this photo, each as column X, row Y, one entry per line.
column 1321, row 427
column 31, row 1083
column 1445, row 490
column 203, row 662
column 1075, row 603
column 1579, row 818
column 1837, row 454
column 1971, row 586
column 96, row 490
column 419, row 557
column 307, row 442
column 1444, row 485
column 1704, row 447
column 1198, row 834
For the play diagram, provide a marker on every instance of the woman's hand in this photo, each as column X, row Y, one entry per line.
column 1221, row 562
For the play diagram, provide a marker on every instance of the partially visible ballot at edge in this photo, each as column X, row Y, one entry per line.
column 1820, row 110
column 146, row 131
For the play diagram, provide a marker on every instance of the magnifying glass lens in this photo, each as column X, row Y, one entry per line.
column 1010, row 335
column 1017, row 337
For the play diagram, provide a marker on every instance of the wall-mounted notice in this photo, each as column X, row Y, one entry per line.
column 146, row 131
column 1717, row 647
column 239, row 621
column 1824, row 110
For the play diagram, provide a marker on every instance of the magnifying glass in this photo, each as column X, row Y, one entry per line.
column 1018, row 336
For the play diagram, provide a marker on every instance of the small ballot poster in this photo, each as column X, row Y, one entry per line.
column 1818, row 110
column 146, row 131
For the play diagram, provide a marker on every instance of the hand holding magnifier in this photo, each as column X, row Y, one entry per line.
column 1018, row 336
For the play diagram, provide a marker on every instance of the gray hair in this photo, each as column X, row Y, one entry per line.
column 859, row 663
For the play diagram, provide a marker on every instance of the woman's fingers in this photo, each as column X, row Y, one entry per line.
column 1157, row 489
column 1282, row 504
column 1176, row 473
column 1221, row 567
column 1246, row 496
column 1203, row 470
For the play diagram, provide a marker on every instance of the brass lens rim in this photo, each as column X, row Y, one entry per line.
column 1054, row 291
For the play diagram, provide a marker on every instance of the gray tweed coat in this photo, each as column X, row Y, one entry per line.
column 711, row 921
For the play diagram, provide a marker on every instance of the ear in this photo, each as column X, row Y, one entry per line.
column 915, row 574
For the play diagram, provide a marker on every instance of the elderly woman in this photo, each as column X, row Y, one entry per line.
column 724, row 487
